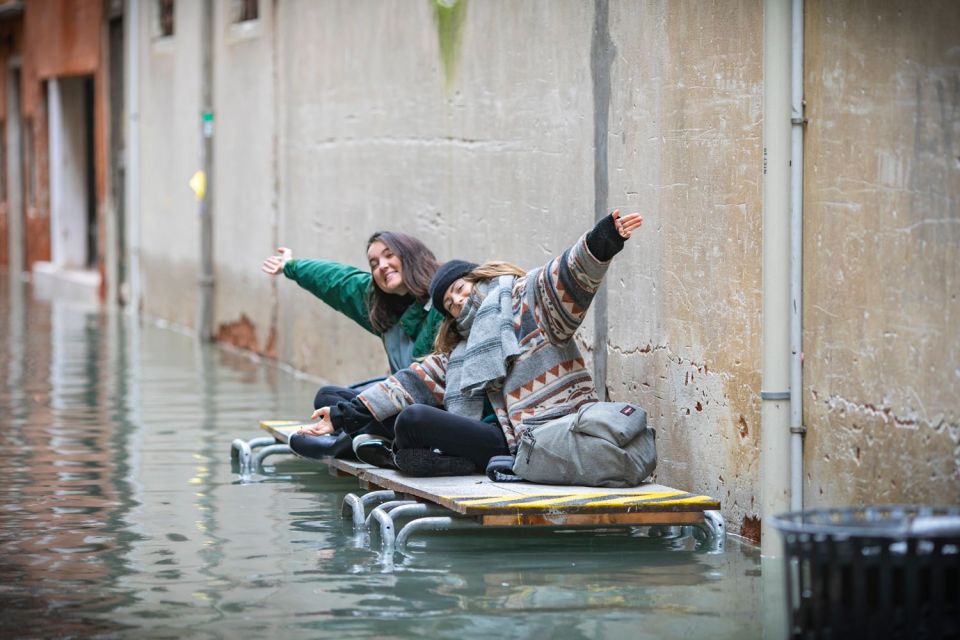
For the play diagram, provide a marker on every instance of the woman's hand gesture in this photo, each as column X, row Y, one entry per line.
column 274, row 264
column 322, row 428
column 627, row 224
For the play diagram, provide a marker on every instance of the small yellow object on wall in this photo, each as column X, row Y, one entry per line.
column 199, row 184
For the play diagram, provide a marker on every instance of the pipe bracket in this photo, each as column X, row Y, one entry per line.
column 774, row 395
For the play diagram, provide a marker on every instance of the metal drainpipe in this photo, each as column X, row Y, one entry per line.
column 797, row 123
column 775, row 337
column 132, row 157
column 206, row 280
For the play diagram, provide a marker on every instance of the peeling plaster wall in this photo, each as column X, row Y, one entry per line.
column 685, row 307
column 882, row 252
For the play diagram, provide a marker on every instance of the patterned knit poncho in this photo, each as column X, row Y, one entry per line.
column 548, row 379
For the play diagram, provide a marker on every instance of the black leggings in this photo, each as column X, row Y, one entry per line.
column 332, row 394
column 421, row 426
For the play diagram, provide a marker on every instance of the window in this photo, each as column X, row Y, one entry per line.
column 246, row 10
column 165, row 17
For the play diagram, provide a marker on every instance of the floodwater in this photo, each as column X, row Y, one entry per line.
column 121, row 516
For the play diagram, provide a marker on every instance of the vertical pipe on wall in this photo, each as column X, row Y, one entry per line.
column 132, row 159
column 796, row 257
column 206, row 280
column 775, row 340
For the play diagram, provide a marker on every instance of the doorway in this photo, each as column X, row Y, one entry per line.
column 73, row 214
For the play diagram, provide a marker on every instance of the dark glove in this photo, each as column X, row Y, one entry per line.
column 604, row 241
column 350, row 415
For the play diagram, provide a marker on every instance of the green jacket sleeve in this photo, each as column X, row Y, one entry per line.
column 342, row 287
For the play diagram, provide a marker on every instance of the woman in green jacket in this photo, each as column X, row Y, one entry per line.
column 391, row 301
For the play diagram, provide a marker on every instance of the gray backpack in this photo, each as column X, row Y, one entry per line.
column 603, row 444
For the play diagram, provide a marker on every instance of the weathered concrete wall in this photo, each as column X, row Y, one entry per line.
column 684, row 321
column 244, row 184
column 169, row 155
column 474, row 129
column 882, row 252
column 375, row 136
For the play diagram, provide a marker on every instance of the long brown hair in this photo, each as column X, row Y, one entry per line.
column 419, row 265
column 447, row 335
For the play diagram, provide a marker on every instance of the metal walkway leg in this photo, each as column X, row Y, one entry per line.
column 713, row 530
column 415, row 510
column 242, row 451
column 385, row 508
column 439, row 523
column 270, row 450
column 358, row 506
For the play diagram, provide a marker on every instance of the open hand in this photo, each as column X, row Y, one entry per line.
column 274, row 264
column 627, row 224
column 323, row 427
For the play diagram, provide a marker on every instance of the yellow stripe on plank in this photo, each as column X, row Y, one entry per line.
column 276, row 425
column 627, row 500
column 671, row 501
column 519, row 499
column 542, row 501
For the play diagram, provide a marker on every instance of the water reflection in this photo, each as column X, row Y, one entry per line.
column 119, row 512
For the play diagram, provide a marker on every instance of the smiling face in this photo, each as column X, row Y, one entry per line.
column 456, row 295
column 387, row 269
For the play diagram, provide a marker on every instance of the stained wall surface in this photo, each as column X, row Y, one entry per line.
column 501, row 129
column 685, row 149
column 170, row 147
column 882, row 252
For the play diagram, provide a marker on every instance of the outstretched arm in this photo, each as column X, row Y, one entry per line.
column 342, row 287
column 564, row 288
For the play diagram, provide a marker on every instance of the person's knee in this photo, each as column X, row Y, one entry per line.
column 409, row 420
column 326, row 396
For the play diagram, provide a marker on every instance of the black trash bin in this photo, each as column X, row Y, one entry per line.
column 872, row 572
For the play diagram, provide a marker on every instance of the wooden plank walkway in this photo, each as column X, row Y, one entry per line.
column 524, row 503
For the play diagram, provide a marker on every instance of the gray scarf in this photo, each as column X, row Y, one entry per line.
column 479, row 363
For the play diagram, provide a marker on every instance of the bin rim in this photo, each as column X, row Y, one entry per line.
column 913, row 521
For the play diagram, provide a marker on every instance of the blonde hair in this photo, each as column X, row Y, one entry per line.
column 447, row 335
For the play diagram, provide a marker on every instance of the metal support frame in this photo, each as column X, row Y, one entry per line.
column 712, row 532
column 387, row 518
column 270, row 450
column 376, row 514
column 432, row 517
column 242, row 452
column 358, row 506
column 436, row 523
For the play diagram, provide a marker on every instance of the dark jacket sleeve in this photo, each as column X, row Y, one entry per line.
column 350, row 415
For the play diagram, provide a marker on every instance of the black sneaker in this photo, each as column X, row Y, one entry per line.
column 335, row 445
column 424, row 463
column 374, row 450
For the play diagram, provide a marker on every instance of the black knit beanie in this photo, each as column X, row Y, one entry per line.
column 444, row 277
